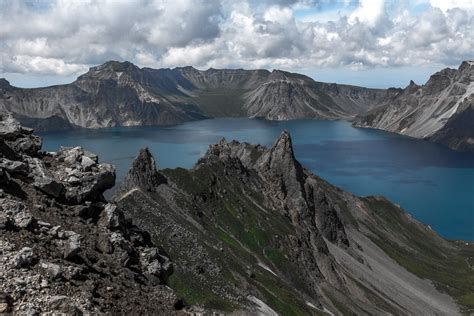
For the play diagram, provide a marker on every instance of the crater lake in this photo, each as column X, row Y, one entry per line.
column 432, row 183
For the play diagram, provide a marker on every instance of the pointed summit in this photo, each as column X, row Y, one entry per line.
column 279, row 166
column 412, row 87
column 143, row 174
column 281, row 155
column 284, row 140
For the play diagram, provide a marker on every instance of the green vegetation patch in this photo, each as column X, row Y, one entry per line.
column 186, row 288
column 283, row 300
column 222, row 102
column 448, row 264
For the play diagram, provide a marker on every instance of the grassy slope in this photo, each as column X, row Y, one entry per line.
column 221, row 102
column 449, row 264
column 246, row 232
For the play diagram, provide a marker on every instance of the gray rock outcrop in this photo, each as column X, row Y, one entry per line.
column 439, row 111
column 64, row 249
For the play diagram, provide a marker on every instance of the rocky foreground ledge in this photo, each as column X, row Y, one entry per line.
column 63, row 247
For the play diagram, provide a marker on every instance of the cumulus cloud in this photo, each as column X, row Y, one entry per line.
column 65, row 37
column 369, row 12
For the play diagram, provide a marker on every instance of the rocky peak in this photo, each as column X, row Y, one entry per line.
column 111, row 70
column 143, row 173
column 116, row 66
column 285, row 177
column 281, row 158
column 300, row 192
column 412, row 87
column 439, row 81
column 467, row 65
column 278, row 75
column 466, row 72
column 216, row 152
column 233, row 156
column 4, row 84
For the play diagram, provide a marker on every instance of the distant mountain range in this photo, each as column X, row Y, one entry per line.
column 122, row 94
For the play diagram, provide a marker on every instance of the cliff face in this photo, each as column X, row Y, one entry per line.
column 64, row 248
column 438, row 111
column 285, row 96
column 114, row 94
column 121, row 94
column 249, row 229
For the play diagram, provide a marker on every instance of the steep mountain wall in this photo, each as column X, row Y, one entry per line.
column 437, row 111
column 121, row 94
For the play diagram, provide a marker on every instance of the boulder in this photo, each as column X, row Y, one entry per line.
column 92, row 184
column 53, row 270
column 24, row 258
column 23, row 219
column 154, row 263
column 9, row 127
column 29, row 145
column 61, row 304
column 87, row 163
column 154, row 268
column 91, row 155
column 111, row 218
column 13, row 167
column 49, row 186
column 104, row 244
column 72, row 272
column 72, row 246
column 5, row 303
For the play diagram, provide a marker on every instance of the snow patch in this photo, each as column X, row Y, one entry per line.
column 324, row 309
column 263, row 309
column 128, row 193
column 267, row 268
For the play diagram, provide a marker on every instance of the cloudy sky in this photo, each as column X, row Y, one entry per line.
column 366, row 42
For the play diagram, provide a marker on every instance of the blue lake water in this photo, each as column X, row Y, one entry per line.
column 433, row 183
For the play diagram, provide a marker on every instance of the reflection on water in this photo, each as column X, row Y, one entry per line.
column 433, row 183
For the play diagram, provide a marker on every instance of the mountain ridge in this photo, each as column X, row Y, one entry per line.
column 292, row 240
column 122, row 94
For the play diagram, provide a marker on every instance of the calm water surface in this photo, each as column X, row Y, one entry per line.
column 433, row 183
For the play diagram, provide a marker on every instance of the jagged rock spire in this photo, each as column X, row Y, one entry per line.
column 280, row 162
column 143, row 173
column 282, row 151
